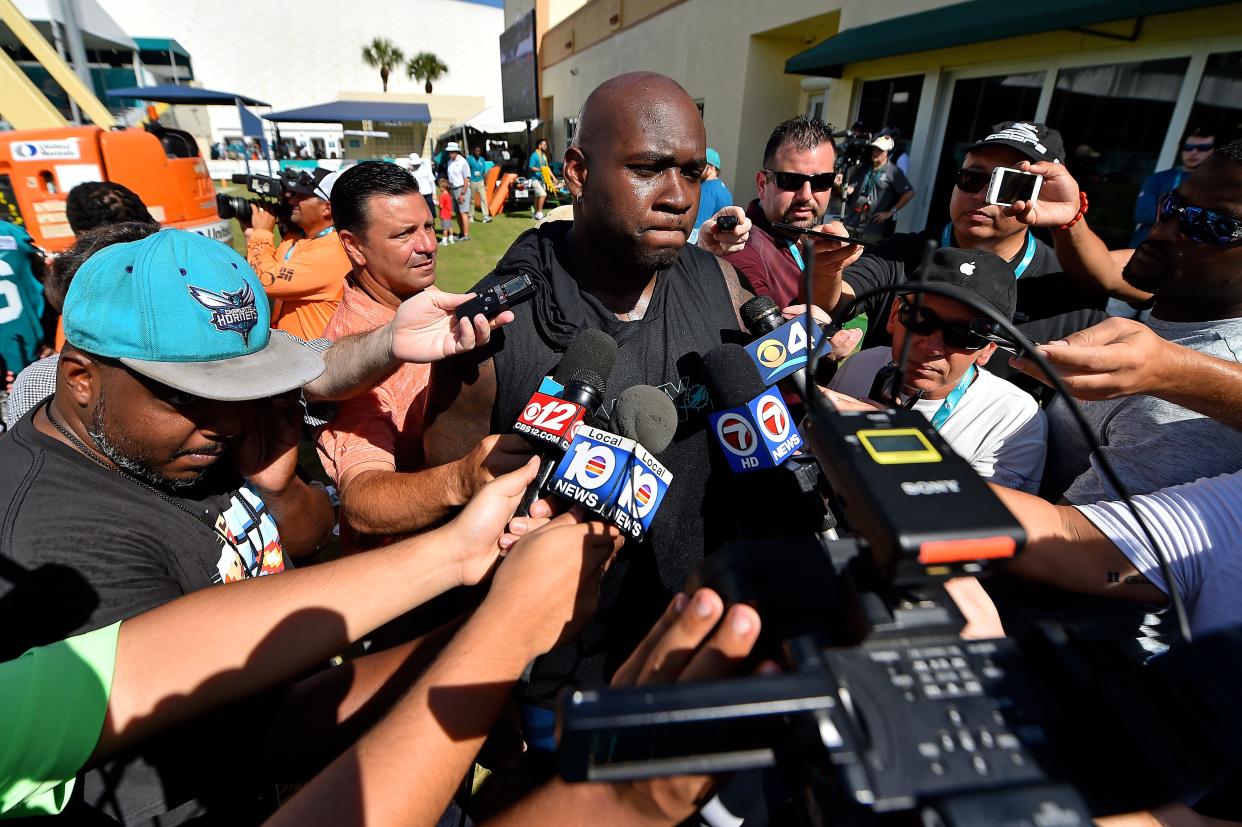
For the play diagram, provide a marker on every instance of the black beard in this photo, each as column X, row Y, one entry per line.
column 126, row 463
column 647, row 260
column 1150, row 281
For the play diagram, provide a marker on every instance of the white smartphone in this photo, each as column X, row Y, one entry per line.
column 1010, row 185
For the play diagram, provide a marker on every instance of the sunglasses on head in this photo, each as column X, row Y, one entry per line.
column 1189, row 147
column 971, row 180
column 1197, row 224
column 793, row 181
column 971, row 336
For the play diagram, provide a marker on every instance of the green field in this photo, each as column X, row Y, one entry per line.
column 460, row 265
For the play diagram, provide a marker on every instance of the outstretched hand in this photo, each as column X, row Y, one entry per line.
column 1116, row 357
column 427, row 329
column 694, row 640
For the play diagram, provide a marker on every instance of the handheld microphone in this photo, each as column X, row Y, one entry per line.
column 592, row 349
column 573, row 393
column 781, row 347
column 647, row 416
column 751, row 423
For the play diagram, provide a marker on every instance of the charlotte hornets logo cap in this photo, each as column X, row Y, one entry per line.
column 186, row 311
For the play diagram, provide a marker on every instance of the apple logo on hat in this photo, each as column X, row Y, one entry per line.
column 968, row 268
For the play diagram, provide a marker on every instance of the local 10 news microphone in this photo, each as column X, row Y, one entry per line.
column 751, row 423
column 568, row 398
column 616, row 475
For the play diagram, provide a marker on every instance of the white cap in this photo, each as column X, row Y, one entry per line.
column 324, row 188
column 884, row 142
column 452, row 147
column 415, row 159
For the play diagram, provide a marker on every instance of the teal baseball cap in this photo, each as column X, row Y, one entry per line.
column 713, row 157
column 188, row 312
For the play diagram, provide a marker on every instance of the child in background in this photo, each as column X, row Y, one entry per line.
column 446, row 213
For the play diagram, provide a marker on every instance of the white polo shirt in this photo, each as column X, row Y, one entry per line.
column 996, row 427
column 458, row 172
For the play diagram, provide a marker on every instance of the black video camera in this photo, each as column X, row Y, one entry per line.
column 271, row 194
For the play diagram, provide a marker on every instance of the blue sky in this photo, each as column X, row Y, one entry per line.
column 500, row 4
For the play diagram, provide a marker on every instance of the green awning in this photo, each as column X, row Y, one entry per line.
column 974, row 21
column 161, row 44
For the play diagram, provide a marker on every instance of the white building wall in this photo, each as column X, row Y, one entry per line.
column 739, row 75
column 297, row 54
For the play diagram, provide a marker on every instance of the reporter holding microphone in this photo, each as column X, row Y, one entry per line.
column 372, row 447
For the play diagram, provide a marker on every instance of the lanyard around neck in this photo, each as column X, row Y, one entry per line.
column 950, row 402
column 319, row 234
column 797, row 255
column 946, row 240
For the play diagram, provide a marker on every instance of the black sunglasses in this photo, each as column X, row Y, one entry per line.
column 1197, row 224
column 971, row 180
column 793, row 181
column 969, row 337
column 1188, row 147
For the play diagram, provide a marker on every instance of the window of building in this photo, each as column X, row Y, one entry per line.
column 1114, row 119
column 1218, row 103
column 975, row 106
column 892, row 103
column 815, row 106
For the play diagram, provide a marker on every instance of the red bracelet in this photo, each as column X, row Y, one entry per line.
column 1082, row 194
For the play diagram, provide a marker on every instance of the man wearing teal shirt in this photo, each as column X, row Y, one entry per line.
column 21, row 302
column 538, row 160
column 478, row 170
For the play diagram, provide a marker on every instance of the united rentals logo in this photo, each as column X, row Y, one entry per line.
column 233, row 311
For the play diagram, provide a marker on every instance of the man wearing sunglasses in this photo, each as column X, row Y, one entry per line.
column 1197, row 147
column 794, row 187
column 1192, row 263
column 1050, row 303
column 305, row 275
column 993, row 425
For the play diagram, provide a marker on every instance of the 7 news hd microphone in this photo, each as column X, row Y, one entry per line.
column 751, row 423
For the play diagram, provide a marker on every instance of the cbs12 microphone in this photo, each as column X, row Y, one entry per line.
column 571, row 394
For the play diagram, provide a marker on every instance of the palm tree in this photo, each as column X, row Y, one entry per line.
column 382, row 53
column 425, row 66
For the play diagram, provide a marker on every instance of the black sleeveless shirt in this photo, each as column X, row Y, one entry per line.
column 689, row 313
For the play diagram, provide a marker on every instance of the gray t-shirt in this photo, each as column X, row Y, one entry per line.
column 1151, row 443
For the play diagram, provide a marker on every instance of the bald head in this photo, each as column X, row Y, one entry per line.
column 636, row 99
column 634, row 171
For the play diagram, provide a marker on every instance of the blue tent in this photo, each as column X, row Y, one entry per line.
column 171, row 93
column 339, row 111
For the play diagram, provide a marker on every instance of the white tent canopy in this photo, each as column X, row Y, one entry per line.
column 492, row 122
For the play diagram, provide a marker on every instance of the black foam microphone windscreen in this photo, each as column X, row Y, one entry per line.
column 761, row 315
column 732, row 378
column 647, row 415
column 591, row 350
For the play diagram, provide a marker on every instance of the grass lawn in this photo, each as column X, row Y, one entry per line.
column 462, row 264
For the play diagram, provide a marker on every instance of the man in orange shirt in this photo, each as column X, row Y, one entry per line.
column 305, row 275
column 372, row 448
